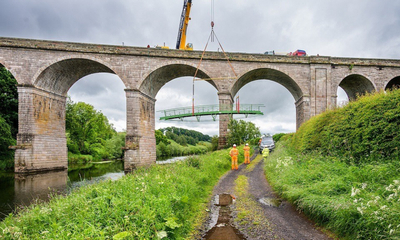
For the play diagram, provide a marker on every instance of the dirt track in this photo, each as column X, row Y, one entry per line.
column 257, row 212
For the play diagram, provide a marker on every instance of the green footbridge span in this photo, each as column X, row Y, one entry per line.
column 210, row 110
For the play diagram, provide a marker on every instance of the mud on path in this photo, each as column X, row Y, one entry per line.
column 256, row 212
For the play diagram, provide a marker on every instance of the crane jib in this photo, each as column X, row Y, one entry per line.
column 182, row 24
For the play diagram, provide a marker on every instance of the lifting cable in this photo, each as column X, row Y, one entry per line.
column 211, row 37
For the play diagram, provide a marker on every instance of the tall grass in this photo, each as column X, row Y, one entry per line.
column 342, row 168
column 163, row 201
column 354, row 201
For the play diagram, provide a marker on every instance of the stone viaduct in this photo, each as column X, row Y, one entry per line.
column 45, row 71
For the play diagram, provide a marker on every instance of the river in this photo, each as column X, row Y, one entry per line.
column 19, row 190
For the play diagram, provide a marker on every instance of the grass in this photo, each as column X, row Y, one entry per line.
column 160, row 202
column 354, row 201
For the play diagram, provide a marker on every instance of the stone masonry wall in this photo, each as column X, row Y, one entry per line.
column 41, row 141
column 140, row 141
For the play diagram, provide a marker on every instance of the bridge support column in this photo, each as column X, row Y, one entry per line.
column 225, row 103
column 303, row 110
column 321, row 90
column 41, row 140
column 140, row 141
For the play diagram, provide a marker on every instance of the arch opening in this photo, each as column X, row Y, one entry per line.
column 158, row 78
column 356, row 85
column 269, row 74
column 342, row 98
column 393, row 84
column 178, row 93
column 105, row 92
column 280, row 110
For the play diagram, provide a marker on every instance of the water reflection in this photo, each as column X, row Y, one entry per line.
column 18, row 190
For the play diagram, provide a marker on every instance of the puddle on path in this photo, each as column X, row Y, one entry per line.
column 222, row 229
column 271, row 202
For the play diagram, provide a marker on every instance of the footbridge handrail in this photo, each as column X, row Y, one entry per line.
column 210, row 110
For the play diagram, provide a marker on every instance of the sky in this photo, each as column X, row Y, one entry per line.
column 351, row 28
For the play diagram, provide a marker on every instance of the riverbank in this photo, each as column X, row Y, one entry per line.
column 163, row 201
column 353, row 201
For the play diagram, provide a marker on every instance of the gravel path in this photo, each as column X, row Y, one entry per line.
column 257, row 212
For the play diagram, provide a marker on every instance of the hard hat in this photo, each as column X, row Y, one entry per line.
column 247, row 144
column 234, row 145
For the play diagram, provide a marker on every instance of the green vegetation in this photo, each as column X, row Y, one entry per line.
column 160, row 202
column 185, row 136
column 342, row 168
column 278, row 136
column 175, row 149
column 9, row 100
column 8, row 118
column 366, row 130
column 172, row 141
column 6, row 139
column 89, row 134
column 240, row 132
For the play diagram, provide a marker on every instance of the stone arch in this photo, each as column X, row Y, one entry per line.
column 394, row 83
column 14, row 73
column 270, row 74
column 355, row 85
column 162, row 75
column 61, row 75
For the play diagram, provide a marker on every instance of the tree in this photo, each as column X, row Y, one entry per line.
column 160, row 137
column 9, row 100
column 241, row 131
column 6, row 140
column 214, row 143
column 87, row 128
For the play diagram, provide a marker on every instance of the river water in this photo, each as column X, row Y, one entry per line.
column 19, row 190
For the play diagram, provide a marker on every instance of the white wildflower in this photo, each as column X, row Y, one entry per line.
column 364, row 185
column 355, row 200
column 354, row 191
column 383, row 207
column 391, row 231
column 396, row 182
column 390, row 197
column 360, row 210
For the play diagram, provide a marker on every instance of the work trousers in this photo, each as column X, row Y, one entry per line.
column 234, row 163
column 246, row 157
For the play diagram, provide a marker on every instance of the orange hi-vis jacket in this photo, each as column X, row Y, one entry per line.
column 246, row 150
column 234, row 152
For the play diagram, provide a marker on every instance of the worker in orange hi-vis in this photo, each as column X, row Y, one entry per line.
column 246, row 150
column 234, row 156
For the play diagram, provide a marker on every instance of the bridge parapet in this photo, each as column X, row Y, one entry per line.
column 173, row 53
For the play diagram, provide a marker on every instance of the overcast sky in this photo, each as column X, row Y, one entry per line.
column 351, row 28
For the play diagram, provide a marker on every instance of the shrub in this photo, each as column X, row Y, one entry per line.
column 278, row 136
column 6, row 140
column 365, row 130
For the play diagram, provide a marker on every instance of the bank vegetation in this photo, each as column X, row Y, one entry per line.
column 159, row 202
column 342, row 168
